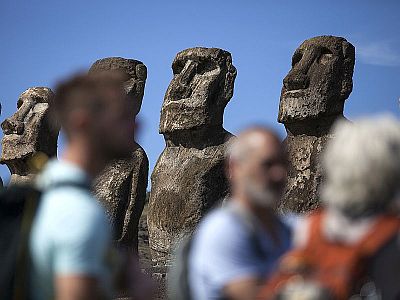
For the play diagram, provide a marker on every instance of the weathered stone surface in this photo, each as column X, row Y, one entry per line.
column 312, row 99
column 189, row 175
column 29, row 132
column 122, row 185
column 1, row 179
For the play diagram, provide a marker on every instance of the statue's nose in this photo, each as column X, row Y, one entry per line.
column 11, row 126
column 15, row 123
column 298, row 78
column 188, row 72
column 7, row 127
column 296, row 81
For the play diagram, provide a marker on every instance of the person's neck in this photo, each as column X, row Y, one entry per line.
column 81, row 154
column 264, row 214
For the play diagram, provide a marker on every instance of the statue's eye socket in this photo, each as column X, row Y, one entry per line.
column 205, row 67
column 19, row 103
column 297, row 56
column 178, row 66
column 326, row 56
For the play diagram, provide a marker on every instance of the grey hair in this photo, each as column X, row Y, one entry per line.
column 362, row 166
column 239, row 148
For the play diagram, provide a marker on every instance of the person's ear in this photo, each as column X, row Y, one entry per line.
column 348, row 66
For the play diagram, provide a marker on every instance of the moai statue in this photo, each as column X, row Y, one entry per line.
column 312, row 99
column 29, row 133
column 121, row 187
column 189, row 175
column 1, row 179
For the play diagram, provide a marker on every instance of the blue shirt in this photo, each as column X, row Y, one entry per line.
column 70, row 233
column 224, row 250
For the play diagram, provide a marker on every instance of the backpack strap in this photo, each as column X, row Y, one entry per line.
column 84, row 185
column 178, row 282
column 386, row 227
column 315, row 228
column 23, row 259
column 298, row 260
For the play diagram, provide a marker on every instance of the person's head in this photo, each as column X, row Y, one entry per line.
column 257, row 166
column 320, row 80
column 134, row 74
column 197, row 95
column 362, row 166
column 94, row 110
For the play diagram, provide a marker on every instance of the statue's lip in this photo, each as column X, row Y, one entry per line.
column 11, row 135
column 175, row 101
column 294, row 92
column 186, row 102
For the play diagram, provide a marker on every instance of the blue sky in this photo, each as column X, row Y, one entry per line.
column 42, row 41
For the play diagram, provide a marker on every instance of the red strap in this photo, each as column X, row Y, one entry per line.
column 315, row 230
column 386, row 227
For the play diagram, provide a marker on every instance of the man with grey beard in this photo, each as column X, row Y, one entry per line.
column 235, row 247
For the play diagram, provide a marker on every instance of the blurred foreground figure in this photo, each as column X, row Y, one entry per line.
column 238, row 245
column 70, row 237
column 352, row 246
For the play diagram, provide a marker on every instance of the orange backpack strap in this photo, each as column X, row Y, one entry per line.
column 315, row 229
column 385, row 229
column 293, row 262
column 296, row 260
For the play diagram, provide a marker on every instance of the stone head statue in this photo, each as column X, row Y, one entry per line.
column 121, row 187
column 320, row 80
column 134, row 71
column 28, row 132
column 199, row 91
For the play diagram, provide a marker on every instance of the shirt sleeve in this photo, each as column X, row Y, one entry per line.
column 81, row 244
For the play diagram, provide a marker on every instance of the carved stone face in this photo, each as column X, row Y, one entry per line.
column 134, row 71
column 320, row 80
column 199, row 91
column 29, row 130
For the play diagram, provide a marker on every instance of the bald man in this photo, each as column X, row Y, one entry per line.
column 237, row 246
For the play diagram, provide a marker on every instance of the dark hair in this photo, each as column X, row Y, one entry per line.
column 83, row 90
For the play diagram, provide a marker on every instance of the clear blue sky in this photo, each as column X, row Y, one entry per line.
column 43, row 41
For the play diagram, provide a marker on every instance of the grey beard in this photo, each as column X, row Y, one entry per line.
column 264, row 197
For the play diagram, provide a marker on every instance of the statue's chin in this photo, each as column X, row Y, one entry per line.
column 16, row 179
column 176, row 122
column 308, row 106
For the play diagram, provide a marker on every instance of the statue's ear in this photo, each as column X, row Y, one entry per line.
column 229, row 80
column 348, row 67
column 141, row 72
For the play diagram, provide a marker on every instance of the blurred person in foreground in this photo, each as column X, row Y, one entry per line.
column 236, row 246
column 350, row 248
column 71, row 239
